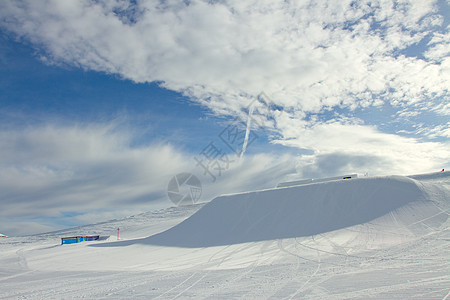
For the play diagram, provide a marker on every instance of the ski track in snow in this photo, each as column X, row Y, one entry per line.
column 403, row 253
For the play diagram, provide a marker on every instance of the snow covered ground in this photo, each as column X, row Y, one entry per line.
column 381, row 237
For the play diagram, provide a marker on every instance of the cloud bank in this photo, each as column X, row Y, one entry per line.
column 53, row 171
column 306, row 55
column 71, row 175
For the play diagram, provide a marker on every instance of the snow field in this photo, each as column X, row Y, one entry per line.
column 385, row 237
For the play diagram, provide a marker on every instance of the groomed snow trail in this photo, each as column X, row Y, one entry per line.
column 385, row 237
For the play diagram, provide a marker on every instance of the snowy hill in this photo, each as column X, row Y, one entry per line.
column 296, row 211
column 383, row 237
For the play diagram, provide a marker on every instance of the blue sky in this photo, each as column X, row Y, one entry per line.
column 102, row 103
column 65, row 94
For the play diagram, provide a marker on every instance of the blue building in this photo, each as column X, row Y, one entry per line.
column 79, row 239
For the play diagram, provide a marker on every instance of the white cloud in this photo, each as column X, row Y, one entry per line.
column 349, row 148
column 440, row 47
column 50, row 171
column 305, row 55
column 442, row 130
column 442, row 109
column 59, row 176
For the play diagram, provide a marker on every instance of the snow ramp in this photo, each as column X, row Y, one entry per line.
column 295, row 211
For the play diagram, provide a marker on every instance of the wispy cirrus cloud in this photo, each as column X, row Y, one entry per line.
column 51, row 170
column 54, row 176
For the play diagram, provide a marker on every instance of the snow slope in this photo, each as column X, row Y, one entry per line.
column 384, row 237
column 294, row 211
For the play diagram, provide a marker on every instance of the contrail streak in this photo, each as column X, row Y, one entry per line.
column 247, row 132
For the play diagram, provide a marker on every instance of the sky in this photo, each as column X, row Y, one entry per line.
column 102, row 103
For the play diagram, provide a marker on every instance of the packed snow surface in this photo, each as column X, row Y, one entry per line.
column 383, row 237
